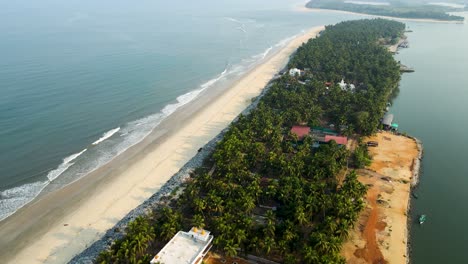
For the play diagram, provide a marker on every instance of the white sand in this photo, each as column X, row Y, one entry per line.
column 62, row 224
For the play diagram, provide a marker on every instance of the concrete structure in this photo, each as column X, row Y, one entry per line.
column 342, row 85
column 387, row 121
column 185, row 248
column 346, row 87
column 295, row 72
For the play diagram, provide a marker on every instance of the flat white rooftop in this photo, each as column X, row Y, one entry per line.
column 185, row 247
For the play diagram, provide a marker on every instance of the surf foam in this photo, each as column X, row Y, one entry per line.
column 130, row 134
column 106, row 135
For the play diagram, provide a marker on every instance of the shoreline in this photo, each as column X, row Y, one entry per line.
column 417, row 167
column 386, row 222
column 394, row 48
column 425, row 20
column 62, row 224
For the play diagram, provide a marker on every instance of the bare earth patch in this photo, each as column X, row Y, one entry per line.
column 381, row 234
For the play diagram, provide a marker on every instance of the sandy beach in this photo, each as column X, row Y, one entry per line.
column 381, row 233
column 60, row 225
column 306, row 9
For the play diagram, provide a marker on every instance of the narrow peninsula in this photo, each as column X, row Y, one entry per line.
column 392, row 8
column 285, row 183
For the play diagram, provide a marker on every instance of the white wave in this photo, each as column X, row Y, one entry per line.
column 130, row 134
column 106, row 135
column 53, row 174
column 233, row 20
column 137, row 130
column 13, row 199
column 285, row 41
column 190, row 96
column 264, row 54
column 210, row 82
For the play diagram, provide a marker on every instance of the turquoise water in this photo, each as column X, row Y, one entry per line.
column 433, row 106
column 76, row 73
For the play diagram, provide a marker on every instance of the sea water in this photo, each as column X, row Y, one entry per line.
column 82, row 81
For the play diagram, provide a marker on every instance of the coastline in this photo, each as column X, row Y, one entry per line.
column 306, row 9
column 62, row 224
column 394, row 48
column 382, row 232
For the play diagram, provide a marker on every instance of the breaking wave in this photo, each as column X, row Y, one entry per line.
column 106, row 135
column 96, row 155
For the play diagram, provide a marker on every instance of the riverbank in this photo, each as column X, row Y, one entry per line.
column 306, row 9
column 381, row 234
column 394, row 48
column 62, row 224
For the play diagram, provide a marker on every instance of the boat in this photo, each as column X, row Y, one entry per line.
column 422, row 219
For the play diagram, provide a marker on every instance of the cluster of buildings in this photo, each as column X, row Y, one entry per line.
column 319, row 134
column 295, row 72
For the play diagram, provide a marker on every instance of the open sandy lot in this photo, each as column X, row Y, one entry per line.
column 381, row 234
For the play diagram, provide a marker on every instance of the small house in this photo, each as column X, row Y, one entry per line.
column 300, row 131
column 185, row 247
column 340, row 140
column 295, row 72
column 387, row 121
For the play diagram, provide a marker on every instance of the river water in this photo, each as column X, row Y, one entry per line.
column 433, row 106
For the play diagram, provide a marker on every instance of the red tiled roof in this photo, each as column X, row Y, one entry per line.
column 339, row 140
column 300, row 131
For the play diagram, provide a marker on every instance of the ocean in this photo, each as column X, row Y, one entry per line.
column 83, row 81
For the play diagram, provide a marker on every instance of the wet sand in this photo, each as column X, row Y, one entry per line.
column 60, row 225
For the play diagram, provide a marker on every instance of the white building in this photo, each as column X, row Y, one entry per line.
column 185, row 248
column 342, row 85
column 295, row 72
column 346, row 87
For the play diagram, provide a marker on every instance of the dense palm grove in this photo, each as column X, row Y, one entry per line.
column 263, row 191
column 404, row 9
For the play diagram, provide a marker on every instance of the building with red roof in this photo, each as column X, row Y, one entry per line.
column 339, row 140
column 300, row 131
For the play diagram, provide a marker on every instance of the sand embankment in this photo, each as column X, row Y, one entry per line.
column 62, row 224
column 306, row 9
column 394, row 48
column 381, row 233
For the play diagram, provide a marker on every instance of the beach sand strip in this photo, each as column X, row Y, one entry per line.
column 62, row 224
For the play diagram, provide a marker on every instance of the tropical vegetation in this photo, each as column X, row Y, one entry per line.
column 265, row 192
column 393, row 9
